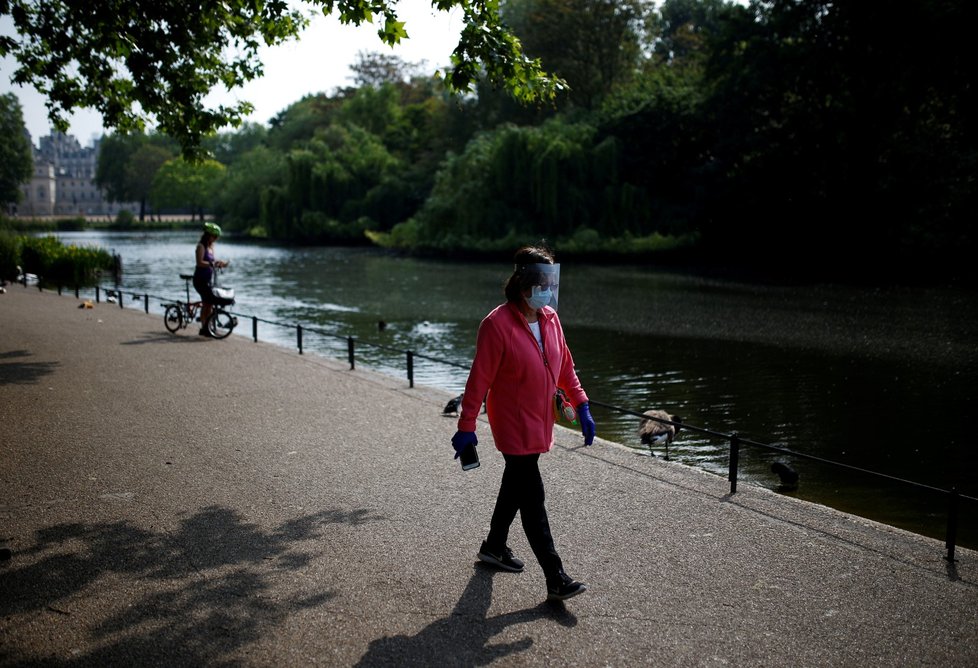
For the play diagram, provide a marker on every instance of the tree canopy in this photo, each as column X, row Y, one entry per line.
column 179, row 183
column 591, row 44
column 789, row 136
column 132, row 60
column 127, row 165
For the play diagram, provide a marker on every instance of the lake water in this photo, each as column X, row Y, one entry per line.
column 877, row 378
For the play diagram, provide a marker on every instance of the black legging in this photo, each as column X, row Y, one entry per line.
column 521, row 490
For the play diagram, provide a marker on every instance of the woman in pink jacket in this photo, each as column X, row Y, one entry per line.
column 521, row 361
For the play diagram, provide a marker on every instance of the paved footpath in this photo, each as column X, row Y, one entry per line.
column 171, row 500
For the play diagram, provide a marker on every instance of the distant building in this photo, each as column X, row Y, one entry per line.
column 64, row 181
column 39, row 192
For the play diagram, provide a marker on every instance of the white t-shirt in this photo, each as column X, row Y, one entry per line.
column 535, row 328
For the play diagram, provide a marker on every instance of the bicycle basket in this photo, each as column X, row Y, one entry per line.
column 223, row 296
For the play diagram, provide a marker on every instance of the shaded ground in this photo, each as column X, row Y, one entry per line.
column 172, row 500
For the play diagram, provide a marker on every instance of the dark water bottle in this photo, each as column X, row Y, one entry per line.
column 469, row 458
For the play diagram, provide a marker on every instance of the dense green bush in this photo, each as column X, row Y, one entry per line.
column 73, row 224
column 9, row 255
column 27, row 225
column 587, row 242
column 124, row 220
column 57, row 264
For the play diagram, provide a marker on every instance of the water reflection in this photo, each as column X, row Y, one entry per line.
column 877, row 378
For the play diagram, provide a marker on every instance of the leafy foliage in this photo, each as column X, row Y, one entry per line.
column 299, row 122
column 9, row 254
column 376, row 69
column 329, row 186
column 237, row 200
column 682, row 29
column 793, row 135
column 16, row 162
column 592, row 44
column 58, row 264
column 127, row 165
column 179, row 184
column 550, row 180
column 830, row 128
column 227, row 147
column 136, row 60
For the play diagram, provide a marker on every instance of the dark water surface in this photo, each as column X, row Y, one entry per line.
column 879, row 378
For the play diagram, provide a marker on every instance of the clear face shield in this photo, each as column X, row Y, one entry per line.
column 540, row 283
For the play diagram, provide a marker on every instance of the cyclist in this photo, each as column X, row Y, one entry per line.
column 204, row 272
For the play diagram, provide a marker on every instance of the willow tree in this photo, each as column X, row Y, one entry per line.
column 328, row 193
column 514, row 184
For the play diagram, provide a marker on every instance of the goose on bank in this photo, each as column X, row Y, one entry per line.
column 654, row 433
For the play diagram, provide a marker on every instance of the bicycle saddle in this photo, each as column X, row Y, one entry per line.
column 187, row 277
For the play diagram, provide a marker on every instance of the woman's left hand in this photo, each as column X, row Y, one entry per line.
column 587, row 423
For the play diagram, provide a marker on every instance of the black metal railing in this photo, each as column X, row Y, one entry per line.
column 735, row 441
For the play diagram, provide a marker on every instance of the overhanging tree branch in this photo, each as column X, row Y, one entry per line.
column 137, row 60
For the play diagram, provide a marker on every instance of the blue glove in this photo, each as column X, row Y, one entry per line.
column 463, row 439
column 587, row 423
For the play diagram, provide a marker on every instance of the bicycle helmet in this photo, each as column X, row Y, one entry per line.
column 213, row 229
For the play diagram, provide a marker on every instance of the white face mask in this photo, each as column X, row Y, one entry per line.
column 539, row 297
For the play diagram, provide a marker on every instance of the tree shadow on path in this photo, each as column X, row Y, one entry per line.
column 194, row 595
column 463, row 637
column 22, row 372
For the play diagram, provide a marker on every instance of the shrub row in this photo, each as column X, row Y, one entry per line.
column 52, row 261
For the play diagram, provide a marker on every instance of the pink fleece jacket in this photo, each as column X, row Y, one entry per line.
column 513, row 375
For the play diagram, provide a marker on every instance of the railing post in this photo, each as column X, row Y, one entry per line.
column 118, row 294
column 298, row 334
column 146, row 302
column 410, row 368
column 76, row 292
column 734, row 461
column 59, row 289
column 254, row 328
column 98, row 295
column 349, row 351
column 952, row 525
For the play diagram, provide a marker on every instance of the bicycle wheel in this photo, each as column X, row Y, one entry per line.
column 173, row 317
column 221, row 323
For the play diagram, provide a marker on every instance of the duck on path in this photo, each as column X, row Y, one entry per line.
column 452, row 406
